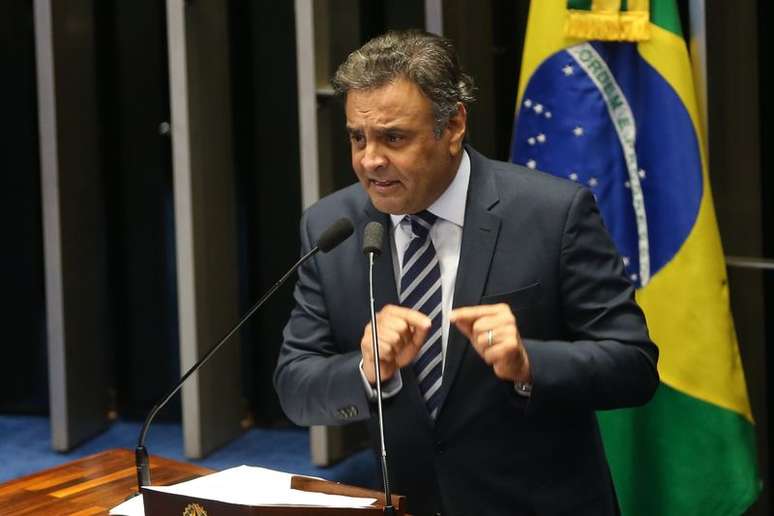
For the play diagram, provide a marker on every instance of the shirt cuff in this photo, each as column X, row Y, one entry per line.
column 389, row 388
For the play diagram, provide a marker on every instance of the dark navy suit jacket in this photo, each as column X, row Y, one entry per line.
column 530, row 240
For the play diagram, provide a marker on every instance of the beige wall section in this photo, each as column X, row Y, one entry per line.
column 73, row 220
column 307, row 105
column 205, row 219
column 49, row 168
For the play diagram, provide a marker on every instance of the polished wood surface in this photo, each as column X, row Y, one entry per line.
column 326, row 486
column 87, row 486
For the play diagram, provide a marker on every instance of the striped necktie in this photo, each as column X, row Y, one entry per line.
column 420, row 289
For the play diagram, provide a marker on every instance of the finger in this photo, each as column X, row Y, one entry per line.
column 394, row 344
column 389, row 336
column 471, row 313
column 504, row 351
column 412, row 317
column 387, row 352
column 386, row 370
column 389, row 342
column 389, row 329
column 486, row 340
column 365, row 340
column 466, row 318
column 481, row 341
column 418, row 338
column 488, row 322
column 413, row 342
column 396, row 324
column 387, row 363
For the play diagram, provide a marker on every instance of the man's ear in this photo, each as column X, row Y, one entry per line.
column 456, row 126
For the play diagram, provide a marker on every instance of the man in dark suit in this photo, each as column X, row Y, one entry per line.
column 504, row 318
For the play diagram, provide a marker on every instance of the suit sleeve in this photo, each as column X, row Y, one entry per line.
column 608, row 360
column 316, row 383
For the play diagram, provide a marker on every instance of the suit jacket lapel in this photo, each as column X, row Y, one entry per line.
column 479, row 238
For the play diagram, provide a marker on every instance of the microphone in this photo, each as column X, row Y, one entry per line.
column 373, row 237
column 335, row 234
column 331, row 237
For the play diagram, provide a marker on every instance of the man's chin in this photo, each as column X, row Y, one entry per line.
column 389, row 206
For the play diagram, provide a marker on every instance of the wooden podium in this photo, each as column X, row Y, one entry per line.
column 95, row 484
column 161, row 504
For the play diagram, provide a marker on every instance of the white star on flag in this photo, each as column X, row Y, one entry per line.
column 567, row 70
column 541, row 138
column 574, row 176
column 578, row 131
column 527, row 103
column 538, row 108
column 593, row 182
column 531, row 163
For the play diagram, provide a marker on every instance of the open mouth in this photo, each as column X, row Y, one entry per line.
column 383, row 184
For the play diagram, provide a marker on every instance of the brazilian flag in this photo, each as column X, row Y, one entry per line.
column 606, row 99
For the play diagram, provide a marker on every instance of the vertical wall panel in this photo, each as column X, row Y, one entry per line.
column 205, row 218
column 73, row 220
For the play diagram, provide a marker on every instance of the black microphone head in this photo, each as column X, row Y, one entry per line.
column 335, row 234
column 373, row 237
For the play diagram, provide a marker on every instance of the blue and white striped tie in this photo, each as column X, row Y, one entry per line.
column 420, row 289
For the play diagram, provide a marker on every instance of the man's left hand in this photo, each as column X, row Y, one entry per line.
column 493, row 331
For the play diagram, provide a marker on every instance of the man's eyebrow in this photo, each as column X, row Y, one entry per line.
column 384, row 129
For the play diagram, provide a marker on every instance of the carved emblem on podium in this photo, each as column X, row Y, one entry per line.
column 194, row 509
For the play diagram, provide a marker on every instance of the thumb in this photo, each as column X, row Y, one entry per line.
column 419, row 335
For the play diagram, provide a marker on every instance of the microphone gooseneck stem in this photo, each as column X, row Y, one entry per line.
column 388, row 509
column 141, row 454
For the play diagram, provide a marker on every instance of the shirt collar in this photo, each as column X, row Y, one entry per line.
column 451, row 204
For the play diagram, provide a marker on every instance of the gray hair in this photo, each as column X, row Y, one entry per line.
column 427, row 60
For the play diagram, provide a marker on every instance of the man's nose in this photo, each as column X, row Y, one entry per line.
column 373, row 157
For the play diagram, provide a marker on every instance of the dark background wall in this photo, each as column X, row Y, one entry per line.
column 23, row 373
column 136, row 164
column 267, row 160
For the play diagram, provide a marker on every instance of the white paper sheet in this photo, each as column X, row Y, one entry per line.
column 131, row 507
column 246, row 485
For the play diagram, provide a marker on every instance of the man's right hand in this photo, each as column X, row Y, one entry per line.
column 401, row 331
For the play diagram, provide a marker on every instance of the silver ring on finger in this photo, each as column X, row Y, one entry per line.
column 489, row 338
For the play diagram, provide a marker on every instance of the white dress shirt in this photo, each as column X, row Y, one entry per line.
column 446, row 235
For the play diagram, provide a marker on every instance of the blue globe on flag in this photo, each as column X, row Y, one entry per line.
column 598, row 114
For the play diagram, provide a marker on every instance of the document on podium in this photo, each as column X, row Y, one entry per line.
column 245, row 485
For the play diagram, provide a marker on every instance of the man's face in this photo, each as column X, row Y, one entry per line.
column 403, row 166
